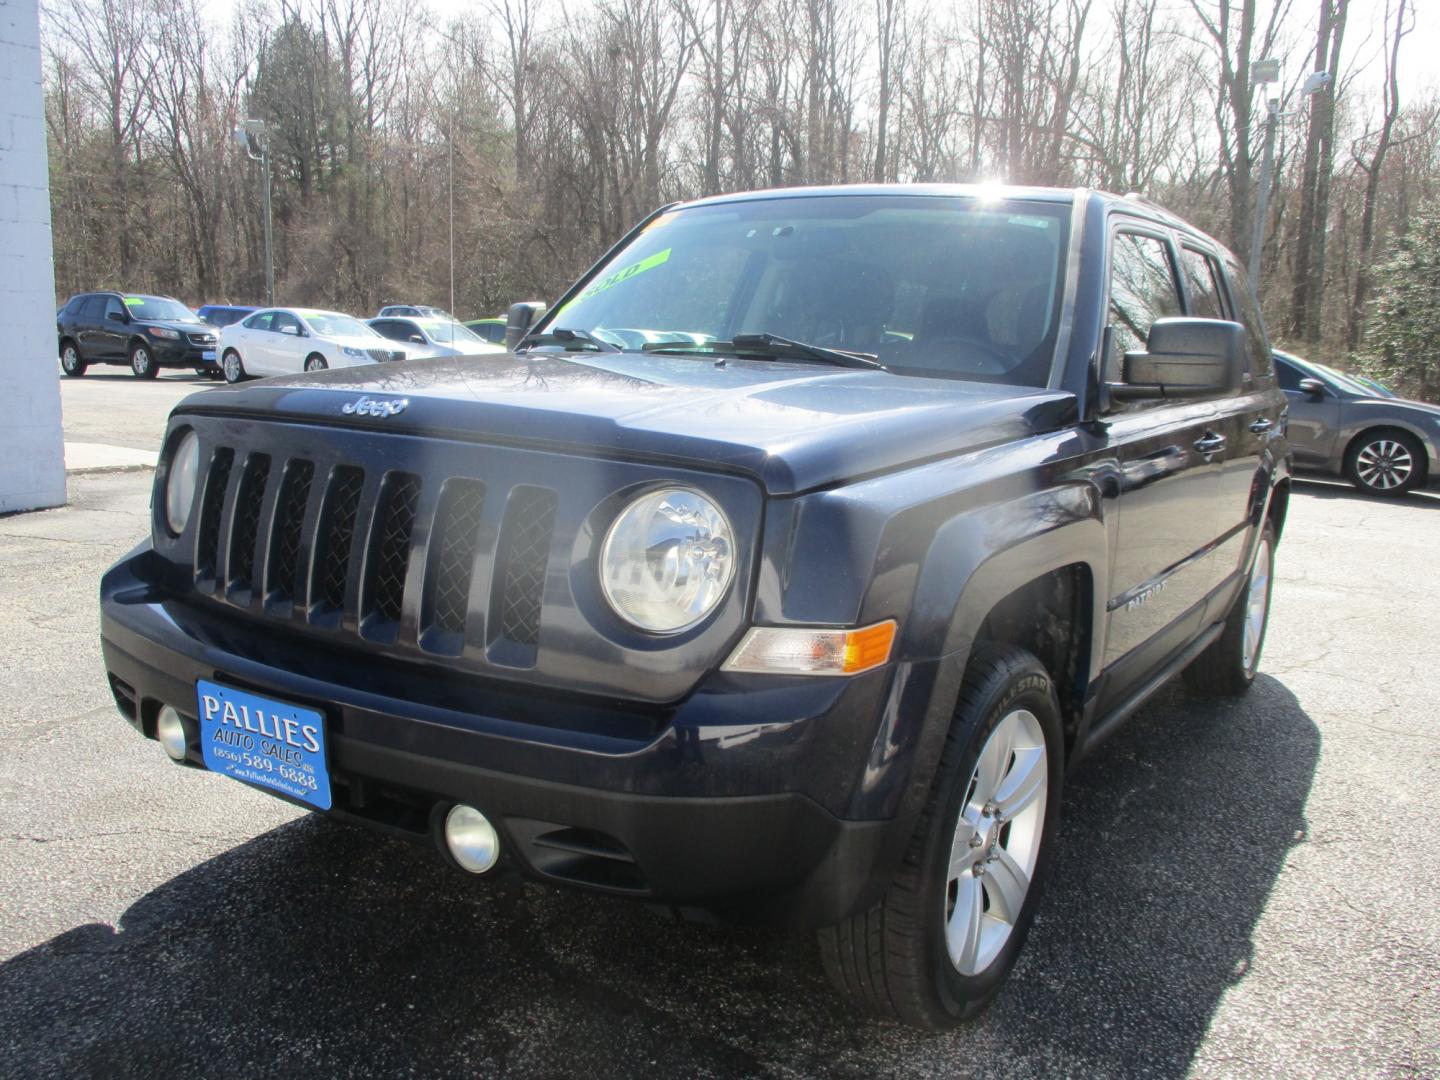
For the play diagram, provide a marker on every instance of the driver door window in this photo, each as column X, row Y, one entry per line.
column 1142, row 289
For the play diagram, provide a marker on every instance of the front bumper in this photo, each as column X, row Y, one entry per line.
column 183, row 353
column 734, row 801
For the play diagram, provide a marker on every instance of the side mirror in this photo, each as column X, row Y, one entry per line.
column 416, row 338
column 1314, row 389
column 520, row 318
column 293, row 331
column 117, row 316
column 1185, row 358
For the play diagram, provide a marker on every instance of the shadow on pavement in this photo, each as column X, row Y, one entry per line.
column 325, row 950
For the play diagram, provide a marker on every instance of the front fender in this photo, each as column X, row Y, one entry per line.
column 977, row 560
column 935, row 548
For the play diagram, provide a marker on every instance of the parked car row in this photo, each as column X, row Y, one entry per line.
column 237, row 341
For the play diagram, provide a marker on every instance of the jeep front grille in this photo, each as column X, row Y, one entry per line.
column 390, row 555
column 341, row 549
column 524, row 555
column 244, row 528
column 337, row 533
column 453, row 543
column 286, row 582
column 212, row 506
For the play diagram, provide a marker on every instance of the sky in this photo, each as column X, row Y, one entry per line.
column 1362, row 45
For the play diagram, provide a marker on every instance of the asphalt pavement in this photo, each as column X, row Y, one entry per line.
column 1243, row 889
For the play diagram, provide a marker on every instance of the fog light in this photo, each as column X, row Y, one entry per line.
column 170, row 731
column 472, row 840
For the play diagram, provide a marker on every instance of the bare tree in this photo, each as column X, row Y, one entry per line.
column 1400, row 21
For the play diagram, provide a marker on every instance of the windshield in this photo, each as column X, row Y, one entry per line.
column 336, row 325
column 1351, row 383
column 156, row 309
column 957, row 287
column 446, row 331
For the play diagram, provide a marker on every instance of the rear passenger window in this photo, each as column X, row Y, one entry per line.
column 1202, row 279
column 260, row 322
column 1258, row 354
column 1142, row 289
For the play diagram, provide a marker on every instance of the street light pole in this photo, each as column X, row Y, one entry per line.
column 1262, row 197
column 251, row 135
column 451, row 140
column 1262, row 73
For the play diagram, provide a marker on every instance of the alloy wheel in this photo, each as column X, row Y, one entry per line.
column 997, row 842
column 140, row 361
column 1257, row 607
column 232, row 367
column 1384, row 464
column 70, row 360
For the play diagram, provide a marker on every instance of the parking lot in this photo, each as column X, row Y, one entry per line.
column 1243, row 889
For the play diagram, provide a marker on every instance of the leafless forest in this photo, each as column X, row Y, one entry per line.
column 553, row 126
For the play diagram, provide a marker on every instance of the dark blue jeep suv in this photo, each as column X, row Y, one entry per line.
column 782, row 570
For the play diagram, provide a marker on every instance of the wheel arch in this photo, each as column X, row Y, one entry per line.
column 982, row 584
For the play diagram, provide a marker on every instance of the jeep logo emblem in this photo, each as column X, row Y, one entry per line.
column 371, row 407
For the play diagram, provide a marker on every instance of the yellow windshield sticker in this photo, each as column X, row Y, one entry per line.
column 134, row 301
column 609, row 281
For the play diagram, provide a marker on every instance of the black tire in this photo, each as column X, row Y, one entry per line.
column 1228, row 666
column 315, row 362
column 892, row 961
column 142, row 361
column 70, row 362
column 232, row 367
column 1385, row 456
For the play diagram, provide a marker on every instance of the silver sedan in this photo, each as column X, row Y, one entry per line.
column 1340, row 425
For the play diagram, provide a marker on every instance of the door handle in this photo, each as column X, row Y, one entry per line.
column 1259, row 427
column 1210, row 443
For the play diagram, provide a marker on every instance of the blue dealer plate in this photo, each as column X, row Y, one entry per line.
column 264, row 742
column 207, row 354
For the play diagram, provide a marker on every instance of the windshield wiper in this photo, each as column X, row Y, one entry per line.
column 773, row 346
column 567, row 338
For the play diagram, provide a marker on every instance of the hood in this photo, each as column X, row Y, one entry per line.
column 201, row 327
column 366, row 343
column 794, row 426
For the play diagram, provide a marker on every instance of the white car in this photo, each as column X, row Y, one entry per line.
column 411, row 311
column 282, row 341
column 432, row 337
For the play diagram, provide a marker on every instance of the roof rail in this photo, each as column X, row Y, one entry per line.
column 1135, row 196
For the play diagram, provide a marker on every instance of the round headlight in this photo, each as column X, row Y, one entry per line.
column 180, row 485
column 667, row 560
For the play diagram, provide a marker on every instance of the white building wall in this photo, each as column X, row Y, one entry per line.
column 32, row 458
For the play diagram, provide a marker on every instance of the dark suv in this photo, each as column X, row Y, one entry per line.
column 145, row 332
column 783, row 571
